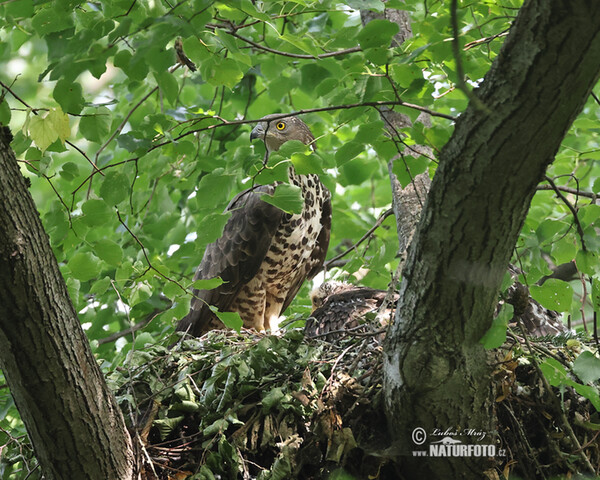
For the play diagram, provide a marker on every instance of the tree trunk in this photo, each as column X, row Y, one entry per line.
column 74, row 423
column 435, row 368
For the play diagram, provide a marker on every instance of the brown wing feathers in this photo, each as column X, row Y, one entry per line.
column 244, row 254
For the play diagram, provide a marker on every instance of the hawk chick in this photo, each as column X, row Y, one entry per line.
column 339, row 307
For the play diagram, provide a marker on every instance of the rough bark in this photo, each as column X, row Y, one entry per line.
column 435, row 369
column 74, row 423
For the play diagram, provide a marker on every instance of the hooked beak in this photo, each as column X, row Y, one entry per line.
column 257, row 132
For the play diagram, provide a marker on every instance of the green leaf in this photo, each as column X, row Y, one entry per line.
column 553, row 294
column 496, row 335
column 215, row 188
column 69, row 96
column 312, row 75
column 564, row 250
column 95, row 124
column 109, row 251
column 60, row 123
column 42, row 132
column 369, row 132
column 554, row 371
column 142, row 339
column 286, row 197
column 168, row 86
column 51, row 19
column 230, row 319
column 347, row 152
column 166, row 425
column 131, row 143
column 377, row 33
column 20, row 8
column 224, row 71
column 96, row 212
column 208, row 284
column 115, row 188
column 211, row 227
column 69, row 171
column 587, row 262
column 272, row 399
column 4, row 112
column 587, row 367
column 84, row 266
column 306, row 163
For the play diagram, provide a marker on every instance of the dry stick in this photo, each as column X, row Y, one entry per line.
column 521, row 433
column 557, row 404
column 571, row 208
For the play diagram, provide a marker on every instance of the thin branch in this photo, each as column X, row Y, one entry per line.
column 134, row 328
column 486, row 40
column 7, row 88
column 90, row 161
column 293, row 55
column 89, row 177
column 150, row 266
column 571, row 208
column 313, row 110
column 377, row 224
column 460, row 72
column 124, row 122
column 574, row 191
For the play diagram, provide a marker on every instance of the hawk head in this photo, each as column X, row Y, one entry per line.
column 276, row 131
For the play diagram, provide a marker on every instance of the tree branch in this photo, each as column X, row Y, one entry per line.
column 574, row 191
column 571, row 208
column 368, row 233
column 292, row 55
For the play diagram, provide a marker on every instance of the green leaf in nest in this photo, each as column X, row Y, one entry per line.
column 587, row 367
column 230, row 319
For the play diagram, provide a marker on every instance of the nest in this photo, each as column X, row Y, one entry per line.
column 254, row 406
column 257, row 406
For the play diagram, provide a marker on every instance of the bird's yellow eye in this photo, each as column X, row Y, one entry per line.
column 280, row 125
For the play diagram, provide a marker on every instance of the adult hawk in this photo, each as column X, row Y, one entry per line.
column 264, row 254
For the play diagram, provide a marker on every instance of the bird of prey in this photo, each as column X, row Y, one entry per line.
column 264, row 254
column 340, row 307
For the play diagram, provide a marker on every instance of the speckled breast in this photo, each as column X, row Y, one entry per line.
column 295, row 240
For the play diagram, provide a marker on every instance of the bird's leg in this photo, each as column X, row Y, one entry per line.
column 272, row 313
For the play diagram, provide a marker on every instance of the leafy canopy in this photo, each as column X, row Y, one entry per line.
column 133, row 157
column 133, row 160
